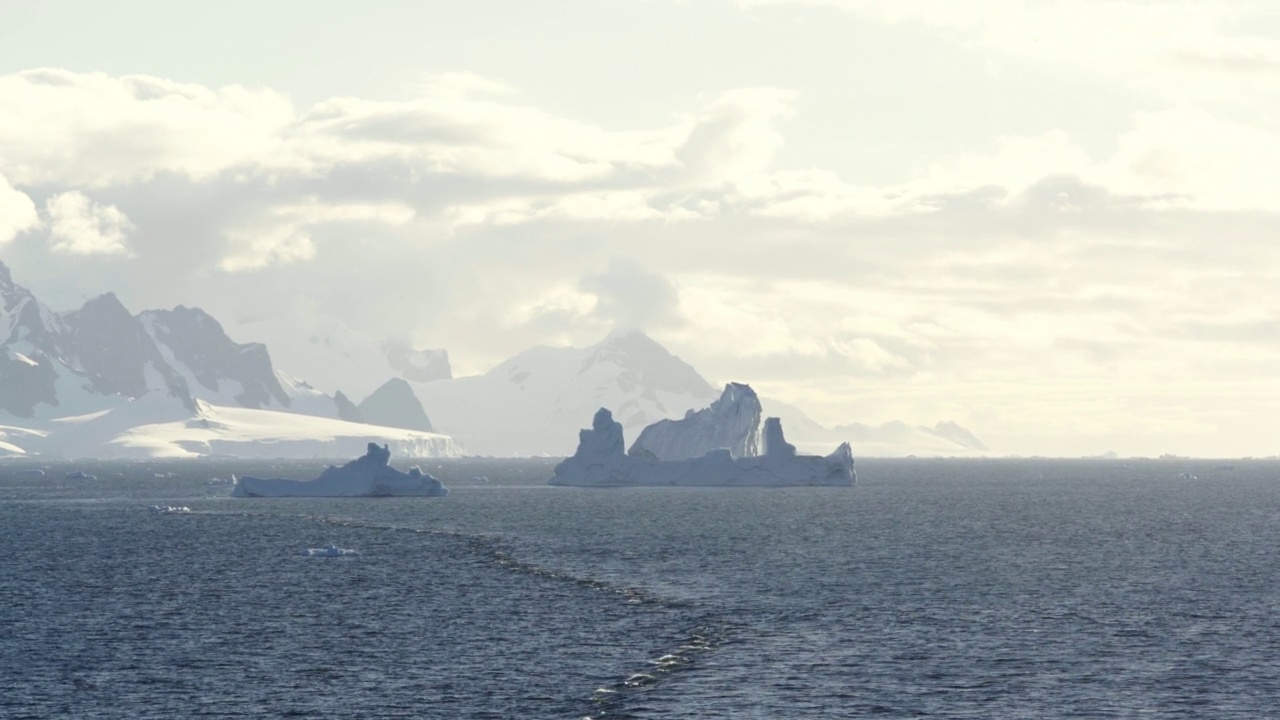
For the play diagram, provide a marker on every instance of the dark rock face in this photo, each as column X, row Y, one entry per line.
column 28, row 345
column 347, row 410
column 107, row 351
column 395, row 405
column 196, row 340
column 111, row 346
column 23, row 385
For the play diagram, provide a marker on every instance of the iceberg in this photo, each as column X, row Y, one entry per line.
column 732, row 422
column 170, row 510
column 600, row 461
column 368, row 476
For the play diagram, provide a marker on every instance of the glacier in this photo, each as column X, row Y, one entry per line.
column 367, row 476
column 601, row 461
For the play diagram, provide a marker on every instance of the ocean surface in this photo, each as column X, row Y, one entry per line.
column 932, row 589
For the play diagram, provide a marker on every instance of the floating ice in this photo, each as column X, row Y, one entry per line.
column 368, row 476
column 329, row 550
column 601, row 462
column 170, row 509
column 80, row 475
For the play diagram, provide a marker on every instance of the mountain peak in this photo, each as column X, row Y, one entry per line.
column 394, row 404
column 104, row 305
column 648, row 362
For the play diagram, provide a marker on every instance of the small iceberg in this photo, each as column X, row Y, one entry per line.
column 80, row 475
column 368, row 476
column 170, row 509
column 329, row 550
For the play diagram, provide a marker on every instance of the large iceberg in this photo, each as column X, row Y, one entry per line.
column 601, row 461
column 731, row 422
column 368, row 476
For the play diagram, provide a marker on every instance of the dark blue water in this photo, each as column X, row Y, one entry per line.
column 941, row 589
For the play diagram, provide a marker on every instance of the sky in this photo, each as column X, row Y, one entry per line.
column 1056, row 223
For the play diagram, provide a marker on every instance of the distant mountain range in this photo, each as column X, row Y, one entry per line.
column 536, row 402
column 100, row 381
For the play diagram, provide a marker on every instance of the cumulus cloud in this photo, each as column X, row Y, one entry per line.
column 1031, row 259
column 17, row 212
column 79, row 226
column 282, row 235
column 94, row 130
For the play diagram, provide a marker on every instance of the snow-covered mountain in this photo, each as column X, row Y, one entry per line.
column 891, row 439
column 536, row 402
column 333, row 356
column 100, row 381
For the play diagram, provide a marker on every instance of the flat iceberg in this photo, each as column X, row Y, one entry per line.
column 368, row 476
column 601, row 461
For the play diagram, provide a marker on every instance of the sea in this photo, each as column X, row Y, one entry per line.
column 932, row 589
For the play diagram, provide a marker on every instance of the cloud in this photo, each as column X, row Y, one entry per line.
column 282, row 234
column 17, row 212
column 1179, row 51
column 79, row 226
column 1033, row 261
column 93, row 130
column 629, row 296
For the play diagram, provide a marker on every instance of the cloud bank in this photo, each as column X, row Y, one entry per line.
column 1038, row 286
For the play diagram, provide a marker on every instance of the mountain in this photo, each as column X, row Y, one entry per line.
column 891, row 439
column 536, row 402
column 100, row 381
column 394, row 405
column 331, row 355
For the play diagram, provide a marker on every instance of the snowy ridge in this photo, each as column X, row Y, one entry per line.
column 332, row 356
column 102, row 382
column 533, row 403
column 891, row 439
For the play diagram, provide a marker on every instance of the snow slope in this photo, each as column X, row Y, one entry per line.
column 891, row 439
column 533, row 403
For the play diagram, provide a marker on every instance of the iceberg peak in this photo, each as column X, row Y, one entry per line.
column 731, row 422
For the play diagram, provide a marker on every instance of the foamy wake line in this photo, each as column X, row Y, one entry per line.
column 609, row 701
